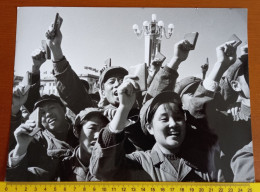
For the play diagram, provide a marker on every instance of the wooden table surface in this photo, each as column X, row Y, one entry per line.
column 7, row 46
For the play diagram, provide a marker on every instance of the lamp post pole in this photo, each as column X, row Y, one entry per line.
column 153, row 33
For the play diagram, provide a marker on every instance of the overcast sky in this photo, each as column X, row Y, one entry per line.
column 91, row 35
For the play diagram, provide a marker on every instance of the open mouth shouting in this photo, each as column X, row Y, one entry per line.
column 115, row 93
column 51, row 120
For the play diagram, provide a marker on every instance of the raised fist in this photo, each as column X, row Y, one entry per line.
column 38, row 57
column 226, row 53
column 181, row 50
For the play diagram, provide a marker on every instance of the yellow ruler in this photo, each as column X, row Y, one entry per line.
column 127, row 187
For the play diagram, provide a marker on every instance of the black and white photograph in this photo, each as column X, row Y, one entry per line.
column 131, row 94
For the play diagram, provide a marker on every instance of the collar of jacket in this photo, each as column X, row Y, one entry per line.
column 81, row 169
column 160, row 161
column 78, row 167
column 55, row 147
column 79, row 163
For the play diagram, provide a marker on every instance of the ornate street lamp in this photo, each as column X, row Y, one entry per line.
column 153, row 33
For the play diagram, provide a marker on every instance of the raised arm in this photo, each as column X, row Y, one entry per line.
column 69, row 86
column 205, row 100
column 38, row 58
column 226, row 56
column 111, row 139
column 166, row 77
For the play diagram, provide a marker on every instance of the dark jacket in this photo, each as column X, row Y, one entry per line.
column 34, row 92
column 232, row 135
column 164, row 80
column 43, row 157
column 70, row 88
column 110, row 163
column 72, row 169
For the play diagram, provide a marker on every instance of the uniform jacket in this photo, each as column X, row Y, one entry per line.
column 164, row 80
column 232, row 135
column 43, row 157
column 74, row 170
column 112, row 164
column 242, row 164
column 70, row 88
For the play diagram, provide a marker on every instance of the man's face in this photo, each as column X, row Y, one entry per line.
column 110, row 89
column 25, row 112
column 244, row 86
column 168, row 127
column 89, row 133
column 53, row 116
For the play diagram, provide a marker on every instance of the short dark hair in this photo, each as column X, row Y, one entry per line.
column 234, row 71
column 156, row 106
column 78, row 128
column 84, row 116
column 149, row 108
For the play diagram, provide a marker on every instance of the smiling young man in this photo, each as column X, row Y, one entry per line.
column 109, row 81
column 38, row 157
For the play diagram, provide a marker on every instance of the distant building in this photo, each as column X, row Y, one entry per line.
column 48, row 85
column 92, row 81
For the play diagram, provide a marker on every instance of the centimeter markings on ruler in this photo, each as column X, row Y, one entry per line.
column 127, row 187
